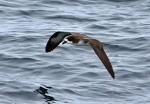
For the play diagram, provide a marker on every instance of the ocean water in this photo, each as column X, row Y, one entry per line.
column 74, row 74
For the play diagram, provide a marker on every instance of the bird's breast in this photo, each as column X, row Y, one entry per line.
column 83, row 42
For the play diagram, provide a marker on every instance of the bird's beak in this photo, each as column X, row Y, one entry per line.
column 64, row 42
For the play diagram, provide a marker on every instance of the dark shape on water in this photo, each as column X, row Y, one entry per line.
column 76, row 38
column 44, row 92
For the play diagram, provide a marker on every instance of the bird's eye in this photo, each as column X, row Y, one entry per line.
column 70, row 38
column 69, row 33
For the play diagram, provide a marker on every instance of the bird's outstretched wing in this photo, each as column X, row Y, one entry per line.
column 55, row 40
column 98, row 48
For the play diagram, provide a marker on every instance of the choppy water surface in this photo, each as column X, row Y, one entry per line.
column 71, row 74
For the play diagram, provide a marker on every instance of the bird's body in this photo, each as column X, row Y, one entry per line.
column 77, row 38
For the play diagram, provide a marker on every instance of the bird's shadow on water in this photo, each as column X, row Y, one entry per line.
column 43, row 90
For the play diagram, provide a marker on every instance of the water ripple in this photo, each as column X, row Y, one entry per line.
column 70, row 17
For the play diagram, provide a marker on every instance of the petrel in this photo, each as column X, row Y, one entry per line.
column 76, row 38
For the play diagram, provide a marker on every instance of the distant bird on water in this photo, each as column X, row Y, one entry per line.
column 76, row 38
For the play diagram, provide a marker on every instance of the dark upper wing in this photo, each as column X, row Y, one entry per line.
column 98, row 48
column 55, row 40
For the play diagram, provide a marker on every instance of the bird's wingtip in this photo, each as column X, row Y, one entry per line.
column 113, row 76
column 47, row 49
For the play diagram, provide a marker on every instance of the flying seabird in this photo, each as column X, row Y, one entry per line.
column 76, row 38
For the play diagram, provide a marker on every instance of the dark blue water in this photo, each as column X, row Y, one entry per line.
column 73, row 74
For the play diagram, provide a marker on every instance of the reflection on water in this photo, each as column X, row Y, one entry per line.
column 44, row 93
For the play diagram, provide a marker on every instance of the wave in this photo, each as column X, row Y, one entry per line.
column 122, row 0
column 29, row 13
column 20, row 39
column 70, row 17
column 54, row 2
column 126, row 74
column 120, row 47
column 28, row 95
column 129, row 44
column 95, row 26
column 4, row 57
